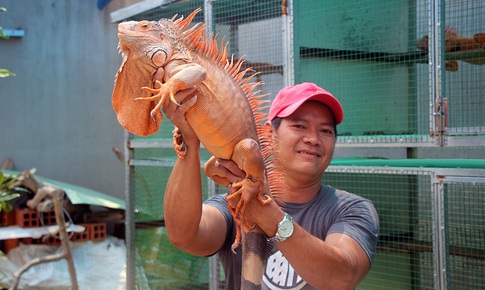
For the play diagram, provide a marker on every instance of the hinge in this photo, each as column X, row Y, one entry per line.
column 440, row 120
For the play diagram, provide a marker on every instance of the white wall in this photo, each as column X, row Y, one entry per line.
column 56, row 113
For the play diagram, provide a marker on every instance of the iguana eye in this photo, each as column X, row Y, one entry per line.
column 144, row 25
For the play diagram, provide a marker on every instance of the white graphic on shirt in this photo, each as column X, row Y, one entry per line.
column 280, row 275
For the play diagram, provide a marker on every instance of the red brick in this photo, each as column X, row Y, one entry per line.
column 8, row 218
column 80, row 237
column 26, row 218
column 97, row 231
column 48, row 218
column 9, row 245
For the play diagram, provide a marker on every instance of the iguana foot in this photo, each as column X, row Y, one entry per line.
column 179, row 143
column 247, row 190
column 158, row 94
column 451, row 66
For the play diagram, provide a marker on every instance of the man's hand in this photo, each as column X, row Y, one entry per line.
column 233, row 172
column 176, row 114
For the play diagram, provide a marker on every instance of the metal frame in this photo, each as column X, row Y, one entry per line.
column 129, row 217
column 435, row 65
column 288, row 46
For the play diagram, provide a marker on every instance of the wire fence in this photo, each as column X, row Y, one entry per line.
column 408, row 74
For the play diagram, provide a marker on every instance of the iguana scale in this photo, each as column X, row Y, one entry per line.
column 165, row 57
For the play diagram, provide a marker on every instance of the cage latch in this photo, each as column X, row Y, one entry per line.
column 441, row 119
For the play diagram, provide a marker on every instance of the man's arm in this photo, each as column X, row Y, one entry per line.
column 339, row 262
column 191, row 226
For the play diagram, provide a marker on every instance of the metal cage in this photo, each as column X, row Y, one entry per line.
column 409, row 74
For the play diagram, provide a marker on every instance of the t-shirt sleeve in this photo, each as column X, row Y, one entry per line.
column 358, row 219
column 219, row 201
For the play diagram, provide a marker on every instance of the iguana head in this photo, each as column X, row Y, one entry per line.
column 146, row 50
column 145, row 53
column 144, row 41
column 147, row 47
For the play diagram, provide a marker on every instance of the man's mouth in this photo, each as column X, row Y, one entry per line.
column 309, row 153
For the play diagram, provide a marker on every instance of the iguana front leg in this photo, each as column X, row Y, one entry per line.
column 187, row 76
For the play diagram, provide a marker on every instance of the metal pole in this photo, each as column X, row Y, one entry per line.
column 439, row 241
column 129, row 216
column 288, row 50
column 436, row 64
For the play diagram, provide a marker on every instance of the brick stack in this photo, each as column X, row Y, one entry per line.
column 26, row 218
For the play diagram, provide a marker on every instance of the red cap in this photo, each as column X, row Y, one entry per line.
column 290, row 98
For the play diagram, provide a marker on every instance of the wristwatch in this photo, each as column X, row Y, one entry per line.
column 285, row 230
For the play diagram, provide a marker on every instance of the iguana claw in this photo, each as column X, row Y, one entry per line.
column 172, row 98
column 179, row 143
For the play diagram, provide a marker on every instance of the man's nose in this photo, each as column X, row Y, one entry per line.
column 311, row 137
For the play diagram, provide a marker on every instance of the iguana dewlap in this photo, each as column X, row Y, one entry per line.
column 227, row 114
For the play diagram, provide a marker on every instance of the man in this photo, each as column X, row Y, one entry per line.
column 326, row 237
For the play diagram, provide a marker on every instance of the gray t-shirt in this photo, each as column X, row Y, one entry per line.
column 332, row 211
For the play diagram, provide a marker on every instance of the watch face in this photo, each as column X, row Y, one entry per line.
column 286, row 228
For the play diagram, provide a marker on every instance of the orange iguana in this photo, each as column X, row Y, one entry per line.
column 165, row 57
column 455, row 42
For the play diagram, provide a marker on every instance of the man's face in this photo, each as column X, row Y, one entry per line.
column 307, row 141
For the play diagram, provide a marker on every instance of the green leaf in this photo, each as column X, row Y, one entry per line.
column 5, row 206
column 3, row 34
column 5, row 73
column 6, row 181
column 3, row 9
column 9, row 180
column 10, row 196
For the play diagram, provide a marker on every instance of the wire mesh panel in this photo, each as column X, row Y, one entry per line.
column 162, row 266
column 364, row 52
column 159, row 265
column 431, row 224
column 253, row 29
column 375, row 57
column 464, row 46
column 403, row 200
column 465, row 234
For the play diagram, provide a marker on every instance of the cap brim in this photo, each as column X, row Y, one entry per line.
column 325, row 99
